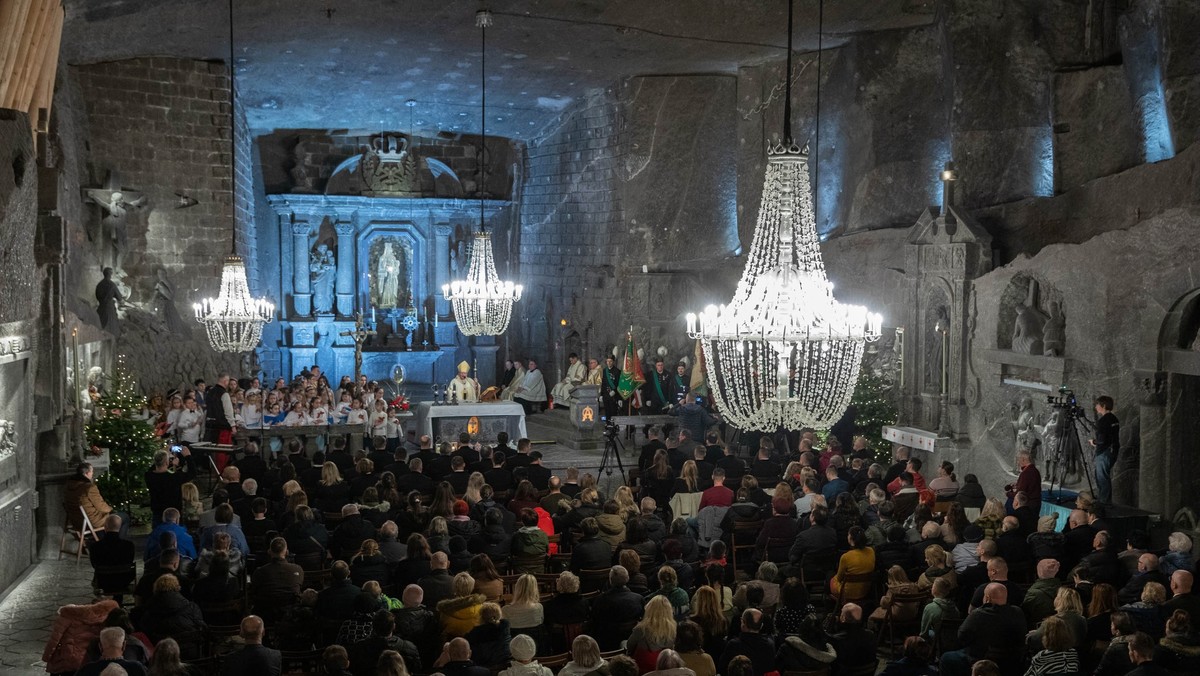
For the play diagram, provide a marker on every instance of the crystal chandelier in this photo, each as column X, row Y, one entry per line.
column 482, row 302
column 784, row 351
column 234, row 319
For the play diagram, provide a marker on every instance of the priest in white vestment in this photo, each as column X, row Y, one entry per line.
column 595, row 374
column 463, row 388
column 575, row 375
column 510, row 388
column 531, row 393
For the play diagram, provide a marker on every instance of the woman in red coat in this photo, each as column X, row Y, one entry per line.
column 74, row 628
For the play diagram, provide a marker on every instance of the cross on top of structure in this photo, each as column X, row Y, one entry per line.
column 360, row 335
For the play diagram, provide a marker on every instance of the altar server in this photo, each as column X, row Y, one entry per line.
column 531, row 393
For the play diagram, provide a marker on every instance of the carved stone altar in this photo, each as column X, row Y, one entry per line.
column 391, row 256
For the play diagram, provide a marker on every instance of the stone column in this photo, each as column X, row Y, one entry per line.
column 441, row 267
column 301, row 281
column 485, row 360
column 346, row 255
column 1157, row 492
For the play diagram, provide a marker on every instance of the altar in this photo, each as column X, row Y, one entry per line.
column 483, row 420
column 387, row 258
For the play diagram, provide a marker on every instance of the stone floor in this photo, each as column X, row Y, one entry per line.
column 27, row 612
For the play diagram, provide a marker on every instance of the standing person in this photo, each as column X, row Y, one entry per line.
column 1029, row 482
column 1106, row 443
column 165, row 485
column 531, row 392
column 660, row 392
column 219, row 427
column 463, row 388
column 608, row 388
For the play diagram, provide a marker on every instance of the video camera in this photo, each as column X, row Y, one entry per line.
column 611, row 429
column 1065, row 401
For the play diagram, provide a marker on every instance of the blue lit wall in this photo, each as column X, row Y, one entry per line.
column 1156, row 127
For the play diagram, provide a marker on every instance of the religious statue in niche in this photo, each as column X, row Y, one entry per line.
column 1029, row 327
column 8, row 438
column 388, row 168
column 1054, row 333
column 388, row 260
column 324, row 273
column 109, row 297
column 164, row 298
column 935, row 336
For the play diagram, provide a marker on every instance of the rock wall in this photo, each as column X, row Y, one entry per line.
column 20, row 349
column 163, row 126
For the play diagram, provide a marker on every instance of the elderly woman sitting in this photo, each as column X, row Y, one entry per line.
column 1178, row 556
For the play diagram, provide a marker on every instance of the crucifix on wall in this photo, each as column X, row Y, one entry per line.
column 360, row 335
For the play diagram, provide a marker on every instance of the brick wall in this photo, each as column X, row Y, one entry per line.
column 163, row 125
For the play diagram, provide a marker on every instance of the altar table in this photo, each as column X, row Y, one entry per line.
column 483, row 420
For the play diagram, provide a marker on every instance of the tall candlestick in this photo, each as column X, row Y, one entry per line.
column 945, row 360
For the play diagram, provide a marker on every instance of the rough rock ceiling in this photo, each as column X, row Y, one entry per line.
column 301, row 66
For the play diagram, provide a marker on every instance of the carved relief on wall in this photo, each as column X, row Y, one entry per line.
column 388, row 168
column 952, row 257
column 1031, row 319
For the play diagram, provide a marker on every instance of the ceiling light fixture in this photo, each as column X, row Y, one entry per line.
column 482, row 302
column 784, row 352
column 234, row 319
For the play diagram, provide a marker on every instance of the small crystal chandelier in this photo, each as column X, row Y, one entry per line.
column 784, row 351
column 482, row 302
column 234, row 319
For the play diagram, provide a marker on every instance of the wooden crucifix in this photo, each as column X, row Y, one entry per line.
column 360, row 335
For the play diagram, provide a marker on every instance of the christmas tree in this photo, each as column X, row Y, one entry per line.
column 131, row 442
column 874, row 409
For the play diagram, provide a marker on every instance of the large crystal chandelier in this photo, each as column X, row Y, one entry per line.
column 234, row 319
column 482, row 302
column 784, row 351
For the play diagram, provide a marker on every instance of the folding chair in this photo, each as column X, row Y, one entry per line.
column 80, row 535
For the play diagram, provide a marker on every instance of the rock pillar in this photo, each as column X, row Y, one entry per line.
column 441, row 268
column 301, row 282
column 345, row 268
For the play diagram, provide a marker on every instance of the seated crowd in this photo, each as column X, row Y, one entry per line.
column 469, row 560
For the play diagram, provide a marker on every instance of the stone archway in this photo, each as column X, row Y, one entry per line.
column 1169, row 475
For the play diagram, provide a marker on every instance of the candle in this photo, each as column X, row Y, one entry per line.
column 372, row 315
column 945, row 360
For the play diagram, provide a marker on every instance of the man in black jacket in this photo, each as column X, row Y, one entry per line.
column 1147, row 572
column 365, row 653
column 854, row 643
column 348, row 537
column 254, row 659
column 615, row 612
column 752, row 643
column 112, row 558
column 818, row 537
column 990, row 632
column 590, row 553
column 1106, row 442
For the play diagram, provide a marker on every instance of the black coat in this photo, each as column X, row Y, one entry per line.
column 489, row 644
column 169, row 615
column 492, row 540
column 591, row 554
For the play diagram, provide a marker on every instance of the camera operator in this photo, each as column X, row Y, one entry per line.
column 1106, row 442
column 693, row 417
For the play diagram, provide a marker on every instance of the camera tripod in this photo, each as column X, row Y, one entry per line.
column 612, row 450
column 1071, row 425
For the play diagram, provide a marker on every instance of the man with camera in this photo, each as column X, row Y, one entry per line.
column 1106, row 443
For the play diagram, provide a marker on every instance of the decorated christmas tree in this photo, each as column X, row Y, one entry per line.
column 874, row 409
column 129, row 440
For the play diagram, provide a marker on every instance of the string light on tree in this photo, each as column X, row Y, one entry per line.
column 131, row 442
